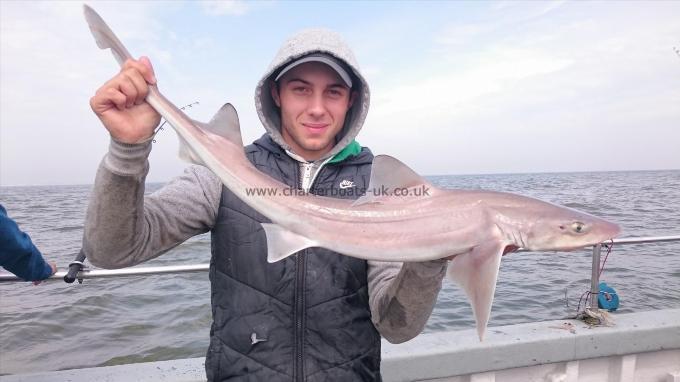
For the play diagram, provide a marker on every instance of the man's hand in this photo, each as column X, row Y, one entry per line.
column 120, row 103
column 53, row 265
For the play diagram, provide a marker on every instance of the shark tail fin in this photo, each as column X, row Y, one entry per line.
column 104, row 36
column 282, row 243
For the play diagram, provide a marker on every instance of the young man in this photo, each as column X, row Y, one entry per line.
column 315, row 316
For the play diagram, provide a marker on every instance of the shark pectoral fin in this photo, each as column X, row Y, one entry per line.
column 282, row 243
column 186, row 154
column 389, row 174
column 476, row 272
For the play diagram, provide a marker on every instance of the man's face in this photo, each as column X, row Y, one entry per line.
column 314, row 102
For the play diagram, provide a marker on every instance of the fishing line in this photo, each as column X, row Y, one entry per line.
column 609, row 250
column 160, row 127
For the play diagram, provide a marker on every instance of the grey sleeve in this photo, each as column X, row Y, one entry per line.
column 402, row 296
column 124, row 228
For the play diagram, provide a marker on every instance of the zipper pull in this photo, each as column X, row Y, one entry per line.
column 307, row 176
column 254, row 339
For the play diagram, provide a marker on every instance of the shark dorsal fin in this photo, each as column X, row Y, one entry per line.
column 388, row 174
column 392, row 173
column 225, row 124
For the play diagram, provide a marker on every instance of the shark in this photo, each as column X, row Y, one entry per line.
column 401, row 217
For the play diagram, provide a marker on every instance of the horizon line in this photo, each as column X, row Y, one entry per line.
column 425, row 176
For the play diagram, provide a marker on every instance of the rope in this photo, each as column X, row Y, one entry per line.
column 609, row 250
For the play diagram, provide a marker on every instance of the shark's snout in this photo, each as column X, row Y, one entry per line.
column 610, row 230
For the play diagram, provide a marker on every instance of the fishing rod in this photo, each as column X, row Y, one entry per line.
column 77, row 270
column 74, row 268
column 87, row 273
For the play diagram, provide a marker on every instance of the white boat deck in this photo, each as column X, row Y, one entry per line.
column 640, row 347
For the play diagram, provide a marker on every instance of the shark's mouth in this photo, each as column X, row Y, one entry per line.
column 510, row 249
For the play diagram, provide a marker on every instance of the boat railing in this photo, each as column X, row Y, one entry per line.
column 597, row 250
column 88, row 273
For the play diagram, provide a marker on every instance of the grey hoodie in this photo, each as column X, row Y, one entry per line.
column 124, row 228
column 304, row 43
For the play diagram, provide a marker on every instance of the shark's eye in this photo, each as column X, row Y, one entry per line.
column 578, row 227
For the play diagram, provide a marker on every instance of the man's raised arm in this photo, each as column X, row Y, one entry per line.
column 123, row 227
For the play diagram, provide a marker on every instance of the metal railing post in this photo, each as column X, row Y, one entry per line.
column 595, row 276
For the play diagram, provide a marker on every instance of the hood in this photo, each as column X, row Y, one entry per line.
column 301, row 44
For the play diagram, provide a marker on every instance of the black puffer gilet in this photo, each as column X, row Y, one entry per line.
column 305, row 318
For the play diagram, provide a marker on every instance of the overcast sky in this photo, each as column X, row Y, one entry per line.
column 457, row 88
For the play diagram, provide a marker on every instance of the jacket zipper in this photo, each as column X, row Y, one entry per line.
column 300, row 315
column 306, row 181
column 321, row 166
column 300, row 270
column 299, row 302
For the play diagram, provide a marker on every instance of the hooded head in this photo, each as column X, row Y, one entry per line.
column 326, row 52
